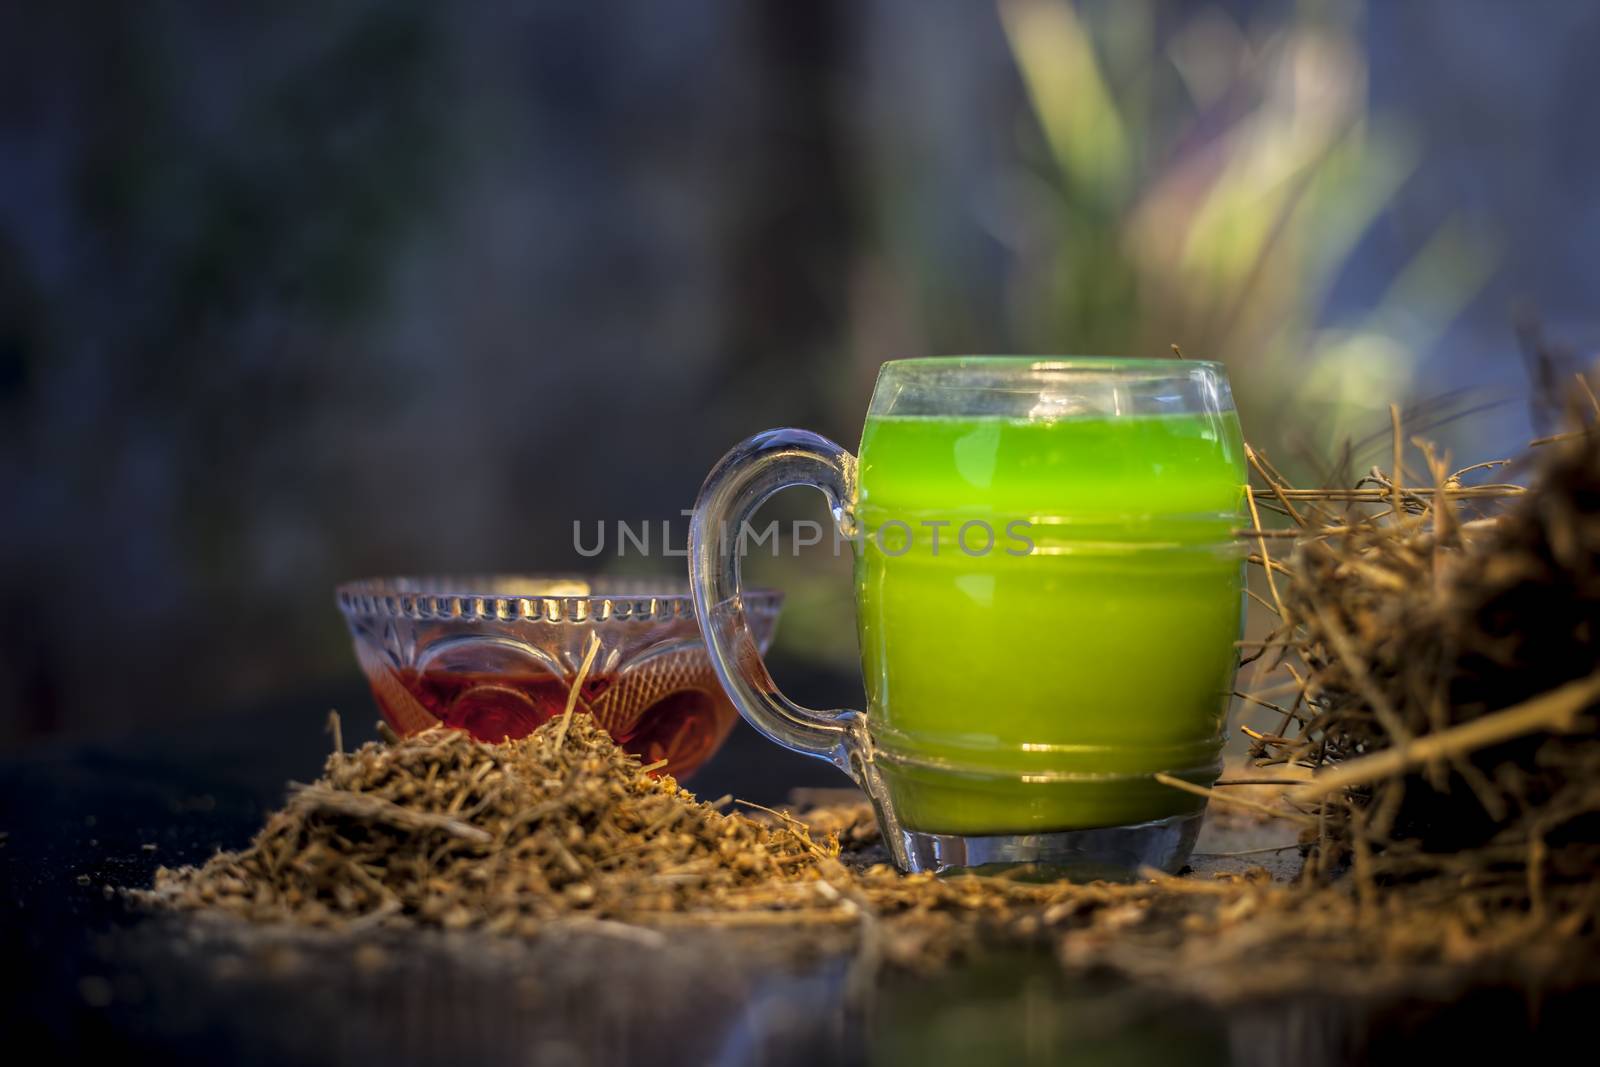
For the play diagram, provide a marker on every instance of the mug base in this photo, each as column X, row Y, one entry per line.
column 1110, row 853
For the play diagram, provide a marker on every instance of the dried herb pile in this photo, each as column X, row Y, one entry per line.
column 441, row 829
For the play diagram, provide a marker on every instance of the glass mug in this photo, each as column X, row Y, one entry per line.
column 1049, row 596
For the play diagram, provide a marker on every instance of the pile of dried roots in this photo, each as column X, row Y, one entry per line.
column 444, row 830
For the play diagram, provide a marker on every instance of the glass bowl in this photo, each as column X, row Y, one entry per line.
column 497, row 656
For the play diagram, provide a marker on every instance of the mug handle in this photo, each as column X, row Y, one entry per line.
column 750, row 473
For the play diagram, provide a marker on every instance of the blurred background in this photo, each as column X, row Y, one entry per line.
column 297, row 292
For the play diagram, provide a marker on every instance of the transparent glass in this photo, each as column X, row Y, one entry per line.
column 497, row 655
column 1049, row 596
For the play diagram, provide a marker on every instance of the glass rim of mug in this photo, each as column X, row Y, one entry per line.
column 1048, row 387
column 1158, row 365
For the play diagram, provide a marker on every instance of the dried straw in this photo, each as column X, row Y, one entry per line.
column 1435, row 661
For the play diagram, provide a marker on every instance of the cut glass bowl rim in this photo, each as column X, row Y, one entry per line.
column 550, row 598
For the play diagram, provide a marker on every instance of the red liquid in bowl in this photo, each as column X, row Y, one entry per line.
column 683, row 727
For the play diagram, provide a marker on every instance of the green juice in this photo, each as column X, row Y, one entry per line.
column 1037, row 685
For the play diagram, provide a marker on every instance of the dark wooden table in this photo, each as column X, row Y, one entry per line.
column 83, row 974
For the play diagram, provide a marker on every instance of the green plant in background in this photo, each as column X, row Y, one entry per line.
column 1206, row 184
